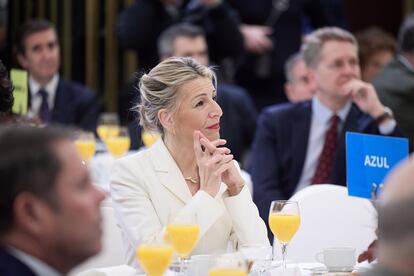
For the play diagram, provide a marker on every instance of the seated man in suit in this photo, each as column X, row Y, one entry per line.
column 239, row 114
column 395, row 250
column 298, row 144
column 51, row 98
column 298, row 86
column 50, row 217
column 395, row 83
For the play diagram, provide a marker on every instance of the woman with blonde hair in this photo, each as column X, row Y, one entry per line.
column 186, row 173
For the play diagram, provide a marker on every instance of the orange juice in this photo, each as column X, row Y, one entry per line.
column 106, row 131
column 183, row 238
column 154, row 259
column 149, row 138
column 284, row 226
column 226, row 272
column 86, row 148
column 118, row 146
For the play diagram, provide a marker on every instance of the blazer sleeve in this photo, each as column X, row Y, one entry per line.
column 248, row 227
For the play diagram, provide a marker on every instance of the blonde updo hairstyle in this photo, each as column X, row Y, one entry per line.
column 159, row 87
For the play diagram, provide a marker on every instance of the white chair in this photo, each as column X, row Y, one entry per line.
column 113, row 252
column 330, row 218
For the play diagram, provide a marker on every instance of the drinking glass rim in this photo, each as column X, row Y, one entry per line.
column 285, row 201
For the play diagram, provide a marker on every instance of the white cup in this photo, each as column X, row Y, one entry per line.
column 199, row 265
column 337, row 259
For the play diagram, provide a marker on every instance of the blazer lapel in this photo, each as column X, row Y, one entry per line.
column 168, row 172
column 300, row 133
column 59, row 104
column 338, row 175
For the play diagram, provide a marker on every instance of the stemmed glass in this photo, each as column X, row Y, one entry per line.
column 154, row 258
column 183, row 234
column 118, row 143
column 149, row 138
column 284, row 221
column 260, row 255
column 108, row 126
column 227, row 264
column 85, row 144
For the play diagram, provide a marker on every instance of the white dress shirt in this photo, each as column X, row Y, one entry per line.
column 320, row 123
column 37, row 266
column 36, row 98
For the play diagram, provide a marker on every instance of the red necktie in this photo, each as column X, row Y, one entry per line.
column 325, row 162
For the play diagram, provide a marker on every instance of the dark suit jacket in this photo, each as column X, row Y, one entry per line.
column 395, row 88
column 75, row 105
column 280, row 146
column 10, row 266
column 238, row 123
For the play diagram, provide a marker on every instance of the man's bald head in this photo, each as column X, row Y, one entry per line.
column 396, row 220
column 399, row 185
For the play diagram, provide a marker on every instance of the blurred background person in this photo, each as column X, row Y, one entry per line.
column 238, row 122
column 6, row 95
column 272, row 31
column 140, row 25
column 376, row 48
column 298, row 87
column 395, row 250
column 189, row 174
column 50, row 217
column 51, row 98
column 395, row 83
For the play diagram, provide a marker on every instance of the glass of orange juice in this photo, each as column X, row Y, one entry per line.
column 284, row 221
column 154, row 258
column 183, row 234
column 149, row 138
column 85, row 144
column 108, row 125
column 227, row 264
column 118, row 143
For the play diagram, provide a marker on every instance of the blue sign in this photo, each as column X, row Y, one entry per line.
column 368, row 160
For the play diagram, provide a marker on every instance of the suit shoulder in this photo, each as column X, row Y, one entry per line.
column 76, row 87
column 284, row 110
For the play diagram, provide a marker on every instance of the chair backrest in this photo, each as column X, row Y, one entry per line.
column 113, row 252
column 331, row 218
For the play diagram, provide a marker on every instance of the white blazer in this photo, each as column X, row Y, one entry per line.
column 149, row 191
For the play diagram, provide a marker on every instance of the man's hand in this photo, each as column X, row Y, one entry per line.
column 256, row 38
column 364, row 96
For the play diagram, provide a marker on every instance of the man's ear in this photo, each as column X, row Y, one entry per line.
column 289, row 91
column 22, row 60
column 311, row 74
column 31, row 213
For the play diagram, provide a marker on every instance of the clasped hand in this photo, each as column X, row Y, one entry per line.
column 215, row 164
column 364, row 96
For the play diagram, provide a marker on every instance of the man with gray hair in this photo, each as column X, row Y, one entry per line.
column 299, row 144
column 298, row 86
column 395, row 83
column 395, row 250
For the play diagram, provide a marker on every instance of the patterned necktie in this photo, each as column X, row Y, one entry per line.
column 325, row 162
column 44, row 112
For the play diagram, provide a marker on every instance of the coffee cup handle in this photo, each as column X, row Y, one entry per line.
column 319, row 257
